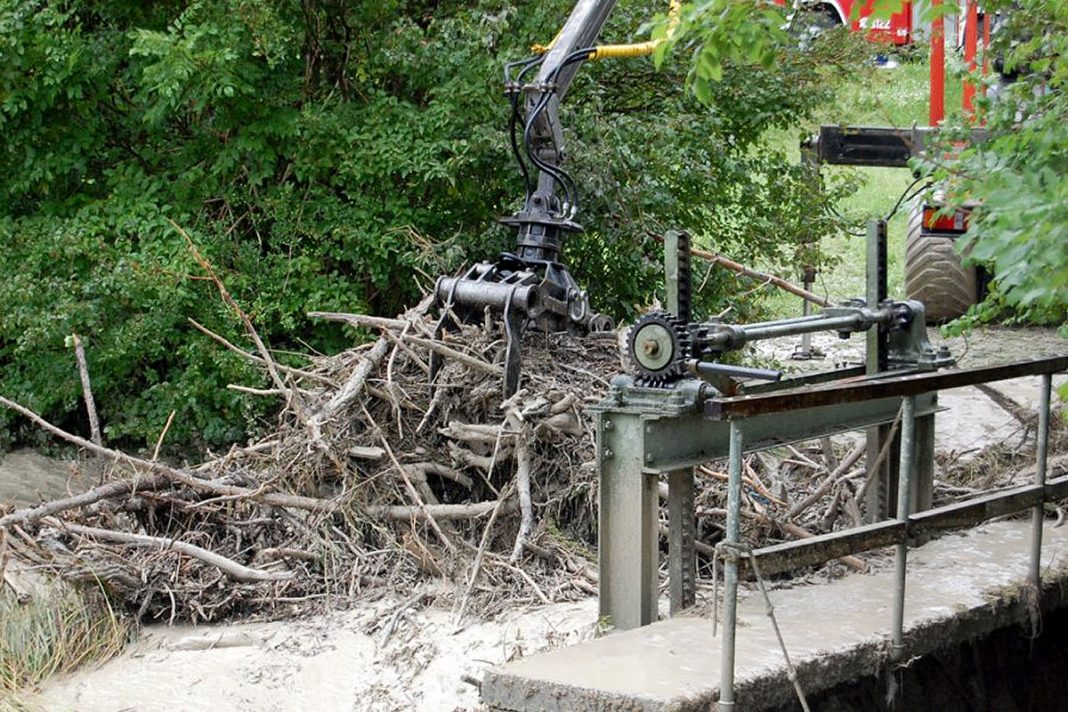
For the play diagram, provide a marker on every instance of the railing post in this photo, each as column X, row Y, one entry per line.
column 730, row 569
column 1042, row 454
column 904, row 498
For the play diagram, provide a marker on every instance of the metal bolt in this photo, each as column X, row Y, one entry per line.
column 649, row 458
column 607, row 454
column 651, row 348
column 609, row 425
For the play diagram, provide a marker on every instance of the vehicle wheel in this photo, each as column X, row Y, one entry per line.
column 934, row 274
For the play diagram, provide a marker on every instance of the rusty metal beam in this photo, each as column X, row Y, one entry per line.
column 1057, row 488
column 824, row 547
column 807, row 379
column 854, row 392
column 959, row 515
column 973, row 511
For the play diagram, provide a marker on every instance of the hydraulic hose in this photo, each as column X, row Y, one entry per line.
column 636, row 49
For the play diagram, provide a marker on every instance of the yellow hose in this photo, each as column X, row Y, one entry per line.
column 641, row 49
column 637, row 49
column 542, row 49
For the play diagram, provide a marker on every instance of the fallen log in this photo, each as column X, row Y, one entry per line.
column 231, row 568
column 404, row 512
column 121, row 488
column 173, row 474
column 353, row 387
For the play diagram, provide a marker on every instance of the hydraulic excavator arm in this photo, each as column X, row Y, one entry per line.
column 531, row 287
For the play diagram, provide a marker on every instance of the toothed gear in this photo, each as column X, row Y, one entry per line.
column 659, row 344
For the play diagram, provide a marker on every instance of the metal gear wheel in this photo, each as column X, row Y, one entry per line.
column 659, row 344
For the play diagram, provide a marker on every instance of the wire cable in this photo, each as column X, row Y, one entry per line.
column 907, row 197
column 560, row 176
column 513, row 87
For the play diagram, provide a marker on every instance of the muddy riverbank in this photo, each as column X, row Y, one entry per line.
column 402, row 651
column 27, row 477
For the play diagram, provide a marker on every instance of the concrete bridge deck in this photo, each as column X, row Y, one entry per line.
column 959, row 588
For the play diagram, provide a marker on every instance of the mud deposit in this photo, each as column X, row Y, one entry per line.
column 27, row 477
column 396, row 655
column 385, row 656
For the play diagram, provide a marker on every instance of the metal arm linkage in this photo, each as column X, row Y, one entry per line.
column 531, row 286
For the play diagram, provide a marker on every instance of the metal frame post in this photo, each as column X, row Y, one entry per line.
column 1041, row 460
column 904, row 498
column 878, row 497
column 682, row 559
column 923, row 463
column 627, row 532
column 730, row 569
column 937, row 101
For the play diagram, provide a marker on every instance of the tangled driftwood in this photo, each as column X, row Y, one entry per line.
column 376, row 477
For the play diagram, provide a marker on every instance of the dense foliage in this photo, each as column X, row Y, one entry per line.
column 330, row 155
column 1019, row 177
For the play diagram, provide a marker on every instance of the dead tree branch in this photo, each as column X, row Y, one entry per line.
column 87, row 391
column 231, row 568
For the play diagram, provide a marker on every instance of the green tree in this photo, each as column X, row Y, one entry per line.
column 320, row 154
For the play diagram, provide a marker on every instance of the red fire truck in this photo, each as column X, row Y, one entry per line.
column 934, row 271
column 828, row 13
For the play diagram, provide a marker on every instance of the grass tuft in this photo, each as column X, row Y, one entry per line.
column 53, row 631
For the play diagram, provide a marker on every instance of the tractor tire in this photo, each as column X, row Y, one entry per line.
column 934, row 274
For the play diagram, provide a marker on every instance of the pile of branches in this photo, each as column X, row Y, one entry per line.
column 378, row 477
column 375, row 478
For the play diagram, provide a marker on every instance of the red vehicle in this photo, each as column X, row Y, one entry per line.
column 829, row 13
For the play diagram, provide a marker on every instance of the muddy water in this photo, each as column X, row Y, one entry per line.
column 27, row 477
column 379, row 658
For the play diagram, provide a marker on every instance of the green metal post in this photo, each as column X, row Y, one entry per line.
column 878, row 498
column 627, row 524
column 923, row 463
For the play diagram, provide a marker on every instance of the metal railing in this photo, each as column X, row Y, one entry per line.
column 895, row 532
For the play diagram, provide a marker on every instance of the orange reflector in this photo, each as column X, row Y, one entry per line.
column 939, row 222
